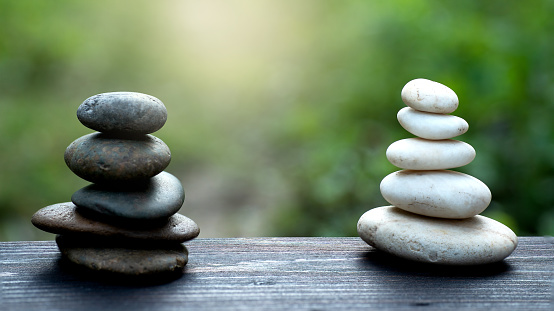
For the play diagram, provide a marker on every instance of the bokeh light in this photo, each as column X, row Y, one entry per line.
column 280, row 112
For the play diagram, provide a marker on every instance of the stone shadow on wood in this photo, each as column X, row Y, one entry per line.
column 98, row 291
column 62, row 270
column 375, row 260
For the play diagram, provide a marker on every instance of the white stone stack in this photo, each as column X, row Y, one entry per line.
column 434, row 213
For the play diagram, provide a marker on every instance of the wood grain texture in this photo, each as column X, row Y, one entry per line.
column 284, row 273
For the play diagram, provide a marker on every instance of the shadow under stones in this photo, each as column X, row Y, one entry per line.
column 107, row 278
column 383, row 262
column 63, row 272
column 73, row 287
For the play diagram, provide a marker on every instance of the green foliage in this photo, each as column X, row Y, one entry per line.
column 296, row 101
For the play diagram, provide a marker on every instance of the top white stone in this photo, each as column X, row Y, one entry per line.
column 429, row 96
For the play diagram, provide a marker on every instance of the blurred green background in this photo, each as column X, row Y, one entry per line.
column 280, row 112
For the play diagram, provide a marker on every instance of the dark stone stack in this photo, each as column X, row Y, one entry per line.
column 125, row 222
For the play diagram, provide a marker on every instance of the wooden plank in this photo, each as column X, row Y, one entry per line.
column 285, row 273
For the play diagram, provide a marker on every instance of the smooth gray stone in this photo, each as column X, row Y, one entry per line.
column 122, row 113
column 159, row 197
column 102, row 158
column 472, row 241
column 63, row 218
column 128, row 260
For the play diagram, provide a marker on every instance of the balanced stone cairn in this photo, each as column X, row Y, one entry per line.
column 126, row 222
column 434, row 217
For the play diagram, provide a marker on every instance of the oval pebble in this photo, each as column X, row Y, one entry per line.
column 120, row 259
column 423, row 154
column 122, row 113
column 444, row 194
column 472, row 241
column 101, row 158
column 159, row 197
column 63, row 218
column 429, row 96
column 431, row 125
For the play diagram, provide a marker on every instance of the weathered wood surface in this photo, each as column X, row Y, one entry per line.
column 284, row 273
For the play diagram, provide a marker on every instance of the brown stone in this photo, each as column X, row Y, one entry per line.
column 62, row 218
column 117, row 258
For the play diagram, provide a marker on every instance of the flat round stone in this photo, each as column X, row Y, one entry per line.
column 444, row 194
column 472, row 241
column 101, row 158
column 429, row 96
column 159, row 197
column 122, row 113
column 431, row 125
column 423, row 154
column 62, row 218
column 119, row 259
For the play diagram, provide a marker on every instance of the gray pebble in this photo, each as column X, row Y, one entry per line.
column 122, row 113
column 101, row 158
column 159, row 197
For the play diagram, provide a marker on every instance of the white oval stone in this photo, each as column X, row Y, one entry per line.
column 430, row 96
column 444, row 194
column 472, row 241
column 431, row 125
column 423, row 154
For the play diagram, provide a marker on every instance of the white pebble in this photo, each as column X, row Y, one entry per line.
column 472, row 241
column 444, row 194
column 423, row 154
column 431, row 125
column 430, row 96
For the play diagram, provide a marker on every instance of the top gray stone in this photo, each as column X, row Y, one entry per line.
column 122, row 113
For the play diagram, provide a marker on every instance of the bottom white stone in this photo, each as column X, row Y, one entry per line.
column 472, row 241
